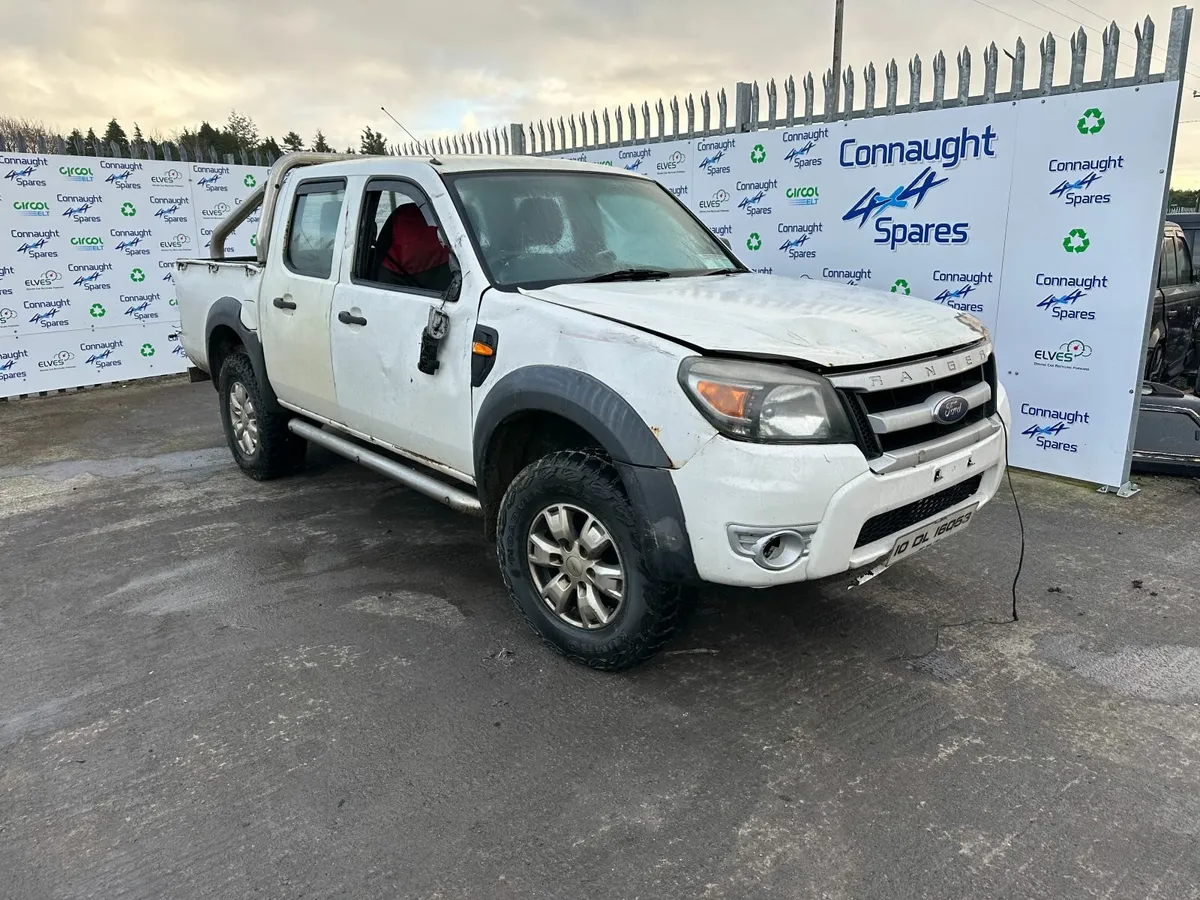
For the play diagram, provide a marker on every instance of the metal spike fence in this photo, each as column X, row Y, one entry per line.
column 590, row 131
column 860, row 99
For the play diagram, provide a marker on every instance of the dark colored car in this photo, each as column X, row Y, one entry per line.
column 1168, row 432
column 1174, row 345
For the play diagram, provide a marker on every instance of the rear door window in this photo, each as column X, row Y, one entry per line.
column 313, row 228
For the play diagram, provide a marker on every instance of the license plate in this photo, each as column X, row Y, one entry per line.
column 931, row 533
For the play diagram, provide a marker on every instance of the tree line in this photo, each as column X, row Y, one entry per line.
column 239, row 134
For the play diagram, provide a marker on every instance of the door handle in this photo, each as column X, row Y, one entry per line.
column 280, row 303
column 346, row 319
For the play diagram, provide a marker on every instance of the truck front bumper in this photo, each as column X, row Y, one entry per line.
column 827, row 493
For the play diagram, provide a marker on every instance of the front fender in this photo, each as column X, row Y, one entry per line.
column 577, row 397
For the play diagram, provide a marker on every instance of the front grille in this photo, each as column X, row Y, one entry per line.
column 911, row 394
column 898, row 440
column 899, row 397
column 880, row 526
column 866, row 439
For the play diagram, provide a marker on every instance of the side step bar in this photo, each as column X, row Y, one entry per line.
column 407, row 475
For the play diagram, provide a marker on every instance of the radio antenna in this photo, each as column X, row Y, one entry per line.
column 397, row 121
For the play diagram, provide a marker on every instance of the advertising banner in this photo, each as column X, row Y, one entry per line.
column 1039, row 217
column 1083, row 227
column 87, row 249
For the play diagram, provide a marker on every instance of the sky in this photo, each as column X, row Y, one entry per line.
column 440, row 67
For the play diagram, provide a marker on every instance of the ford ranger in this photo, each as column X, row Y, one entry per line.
column 568, row 352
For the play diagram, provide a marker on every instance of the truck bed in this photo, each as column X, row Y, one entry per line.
column 200, row 283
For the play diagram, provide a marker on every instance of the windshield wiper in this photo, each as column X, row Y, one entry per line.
column 627, row 275
column 729, row 271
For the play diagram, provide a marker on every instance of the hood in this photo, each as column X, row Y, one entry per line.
column 821, row 322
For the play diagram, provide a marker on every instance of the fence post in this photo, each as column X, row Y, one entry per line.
column 516, row 139
column 741, row 107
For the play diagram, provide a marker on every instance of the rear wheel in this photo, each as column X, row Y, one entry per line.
column 570, row 551
column 255, row 428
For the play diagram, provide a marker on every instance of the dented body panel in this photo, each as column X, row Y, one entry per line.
column 830, row 325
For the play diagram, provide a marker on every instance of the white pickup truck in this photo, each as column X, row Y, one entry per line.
column 569, row 352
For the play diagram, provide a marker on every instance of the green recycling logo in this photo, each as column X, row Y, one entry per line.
column 97, row 311
column 254, row 240
column 250, row 181
column 1091, row 121
column 901, row 287
column 147, row 350
column 758, row 153
column 128, row 209
column 1076, row 241
column 754, row 242
column 137, row 276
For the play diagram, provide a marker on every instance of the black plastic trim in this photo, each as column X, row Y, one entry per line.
column 228, row 312
column 577, row 397
column 481, row 366
column 666, row 548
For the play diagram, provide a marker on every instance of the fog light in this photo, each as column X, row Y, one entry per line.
column 771, row 548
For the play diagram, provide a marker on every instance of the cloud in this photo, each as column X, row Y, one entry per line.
column 309, row 64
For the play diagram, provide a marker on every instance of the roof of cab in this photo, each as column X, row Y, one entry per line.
column 451, row 164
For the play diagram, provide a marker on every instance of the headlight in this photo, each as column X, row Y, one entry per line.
column 764, row 402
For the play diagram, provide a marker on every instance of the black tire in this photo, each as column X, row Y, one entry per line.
column 651, row 609
column 278, row 451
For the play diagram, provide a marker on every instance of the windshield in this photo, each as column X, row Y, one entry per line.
column 538, row 228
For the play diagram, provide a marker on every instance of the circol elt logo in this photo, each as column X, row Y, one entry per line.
column 147, row 350
column 901, row 287
column 97, row 311
column 754, row 242
column 128, row 210
column 758, row 154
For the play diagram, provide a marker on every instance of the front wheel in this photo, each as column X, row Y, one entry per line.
column 570, row 551
column 255, row 428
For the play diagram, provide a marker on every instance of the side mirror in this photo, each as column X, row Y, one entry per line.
column 725, row 241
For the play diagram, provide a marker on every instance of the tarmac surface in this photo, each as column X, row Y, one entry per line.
column 316, row 687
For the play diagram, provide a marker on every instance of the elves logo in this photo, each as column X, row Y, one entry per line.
column 675, row 162
column 217, row 212
column 60, row 360
column 718, row 203
column 47, row 281
column 169, row 177
column 1067, row 356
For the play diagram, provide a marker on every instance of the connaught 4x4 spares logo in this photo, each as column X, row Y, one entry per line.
column 1049, row 427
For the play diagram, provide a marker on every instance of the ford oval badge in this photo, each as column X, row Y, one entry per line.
column 951, row 409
